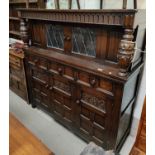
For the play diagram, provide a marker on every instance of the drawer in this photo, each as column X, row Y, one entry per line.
column 37, row 61
column 60, row 83
column 16, row 72
column 14, row 60
column 40, row 76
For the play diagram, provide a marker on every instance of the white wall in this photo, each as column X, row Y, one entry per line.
column 141, row 95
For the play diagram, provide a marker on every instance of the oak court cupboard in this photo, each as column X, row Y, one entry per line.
column 82, row 68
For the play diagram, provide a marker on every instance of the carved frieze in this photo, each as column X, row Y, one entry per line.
column 100, row 17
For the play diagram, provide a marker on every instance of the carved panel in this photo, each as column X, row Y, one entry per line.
column 37, row 61
column 95, row 101
column 92, row 123
column 40, row 77
column 62, row 86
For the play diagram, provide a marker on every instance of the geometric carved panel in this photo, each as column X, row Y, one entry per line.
column 62, row 86
column 95, row 101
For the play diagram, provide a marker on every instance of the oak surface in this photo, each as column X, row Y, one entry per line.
column 23, row 142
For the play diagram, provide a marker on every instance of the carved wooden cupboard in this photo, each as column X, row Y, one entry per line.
column 80, row 69
column 17, row 81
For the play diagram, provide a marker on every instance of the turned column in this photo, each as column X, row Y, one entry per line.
column 24, row 32
column 126, row 52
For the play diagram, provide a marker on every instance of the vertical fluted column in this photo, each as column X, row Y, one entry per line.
column 126, row 52
column 24, row 32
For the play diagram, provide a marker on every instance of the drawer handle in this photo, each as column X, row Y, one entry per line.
column 68, row 38
column 60, row 70
column 93, row 82
column 51, row 88
column 77, row 102
column 36, row 60
column 47, row 86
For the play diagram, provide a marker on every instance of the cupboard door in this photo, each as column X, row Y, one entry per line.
column 61, row 99
column 91, row 114
column 40, row 91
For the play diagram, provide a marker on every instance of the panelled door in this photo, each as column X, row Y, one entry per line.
column 90, row 113
column 61, row 99
column 40, row 88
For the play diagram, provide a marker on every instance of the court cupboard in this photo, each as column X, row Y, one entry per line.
column 82, row 68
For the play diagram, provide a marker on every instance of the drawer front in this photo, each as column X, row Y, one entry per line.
column 37, row 61
column 14, row 60
column 83, row 78
column 40, row 76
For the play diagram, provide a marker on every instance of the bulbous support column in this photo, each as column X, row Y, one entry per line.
column 126, row 52
column 24, row 32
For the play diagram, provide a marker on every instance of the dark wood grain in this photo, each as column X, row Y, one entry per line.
column 93, row 96
column 17, row 79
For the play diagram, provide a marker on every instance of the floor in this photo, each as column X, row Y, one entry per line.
column 22, row 141
column 52, row 134
column 137, row 151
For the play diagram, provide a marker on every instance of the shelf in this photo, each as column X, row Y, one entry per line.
column 22, row 2
column 14, row 18
column 15, row 33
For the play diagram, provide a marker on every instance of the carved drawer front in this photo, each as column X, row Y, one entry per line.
column 92, row 114
column 14, row 60
column 61, row 84
column 89, row 80
column 105, row 85
column 56, row 68
column 40, row 94
column 37, row 62
column 62, row 106
column 40, row 76
column 83, row 78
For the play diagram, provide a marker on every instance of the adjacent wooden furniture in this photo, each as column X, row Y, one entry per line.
column 140, row 145
column 22, row 141
column 80, row 69
column 14, row 20
column 17, row 74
